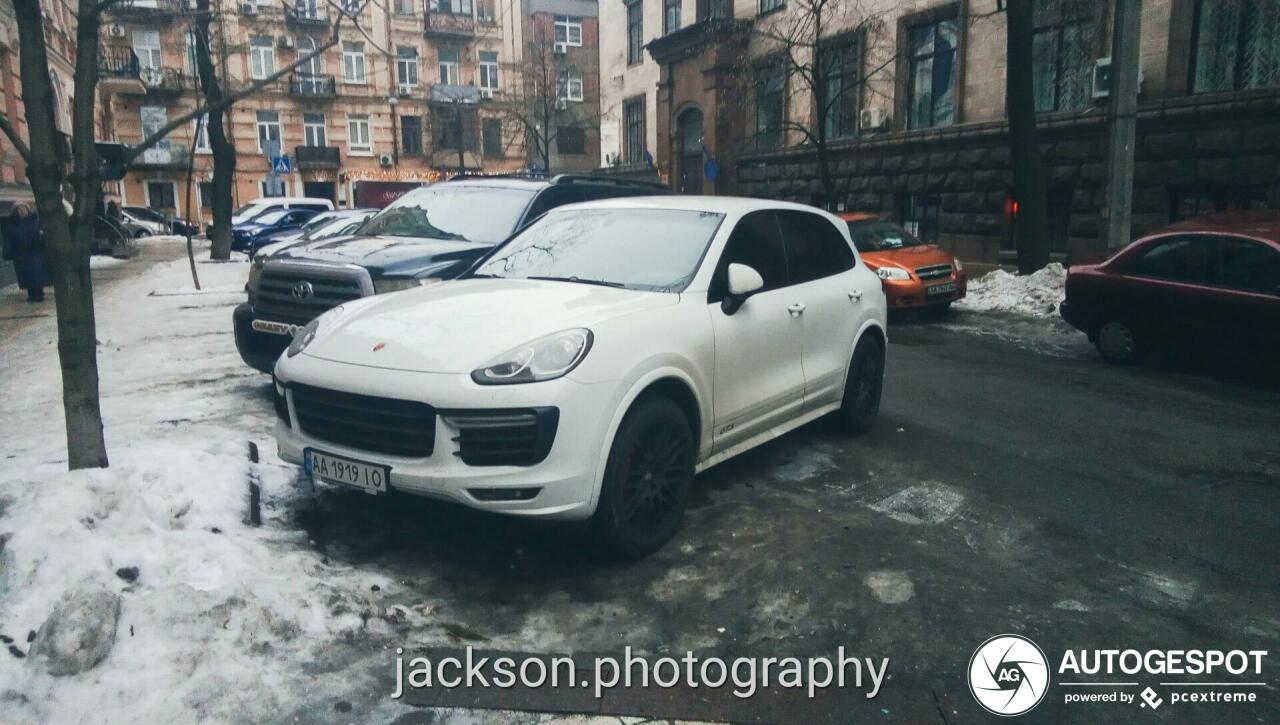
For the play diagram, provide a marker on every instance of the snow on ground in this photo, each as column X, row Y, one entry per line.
column 99, row 261
column 1036, row 294
column 223, row 617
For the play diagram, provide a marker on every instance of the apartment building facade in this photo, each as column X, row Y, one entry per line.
column 562, row 43
column 409, row 94
column 60, row 41
column 921, row 135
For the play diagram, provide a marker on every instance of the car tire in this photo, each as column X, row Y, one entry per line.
column 140, row 234
column 646, row 480
column 1117, row 342
column 862, row 387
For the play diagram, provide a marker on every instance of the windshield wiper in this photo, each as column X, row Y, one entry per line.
column 580, row 280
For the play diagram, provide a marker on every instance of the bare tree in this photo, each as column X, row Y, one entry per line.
column 1032, row 219
column 541, row 104
column 68, row 238
column 817, row 46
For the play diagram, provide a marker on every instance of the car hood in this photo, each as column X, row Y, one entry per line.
column 396, row 256
column 455, row 327
column 909, row 257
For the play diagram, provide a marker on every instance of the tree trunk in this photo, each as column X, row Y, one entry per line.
column 224, row 151
column 1032, row 218
column 68, row 252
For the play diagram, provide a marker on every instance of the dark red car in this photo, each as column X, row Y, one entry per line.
column 1214, row 281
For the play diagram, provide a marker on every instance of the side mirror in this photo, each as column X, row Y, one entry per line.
column 743, row 282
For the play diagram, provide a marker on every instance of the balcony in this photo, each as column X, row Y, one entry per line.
column 165, row 81
column 173, row 156
column 317, row 157
column 151, row 9
column 305, row 17
column 448, row 25
column 118, row 71
column 316, row 87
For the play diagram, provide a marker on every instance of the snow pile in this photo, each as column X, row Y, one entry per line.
column 218, row 620
column 1036, row 294
column 99, row 261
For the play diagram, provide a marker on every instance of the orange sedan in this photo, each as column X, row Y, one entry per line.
column 914, row 274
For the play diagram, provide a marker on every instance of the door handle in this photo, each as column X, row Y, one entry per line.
column 855, row 295
column 796, row 310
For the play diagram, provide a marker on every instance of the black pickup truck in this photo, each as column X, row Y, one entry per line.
column 426, row 236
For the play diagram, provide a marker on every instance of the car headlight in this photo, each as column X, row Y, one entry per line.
column 255, row 274
column 546, row 358
column 896, row 273
column 306, row 334
column 958, row 265
column 395, row 284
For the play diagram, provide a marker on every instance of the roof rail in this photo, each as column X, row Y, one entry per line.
column 598, row 179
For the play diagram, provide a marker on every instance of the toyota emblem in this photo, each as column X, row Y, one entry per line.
column 303, row 290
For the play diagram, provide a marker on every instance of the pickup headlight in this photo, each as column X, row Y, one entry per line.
column 958, row 265
column 395, row 284
column 546, row 358
column 306, row 334
column 255, row 274
column 894, row 273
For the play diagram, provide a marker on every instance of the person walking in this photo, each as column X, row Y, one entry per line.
column 24, row 247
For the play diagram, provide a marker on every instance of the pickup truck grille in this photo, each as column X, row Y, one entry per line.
column 517, row 437
column 364, row 422
column 935, row 271
column 299, row 296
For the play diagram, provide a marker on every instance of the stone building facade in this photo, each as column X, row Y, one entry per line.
column 925, row 140
column 412, row 95
column 565, row 36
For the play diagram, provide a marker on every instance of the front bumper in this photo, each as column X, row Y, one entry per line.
column 912, row 293
column 567, row 479
column 259, row 350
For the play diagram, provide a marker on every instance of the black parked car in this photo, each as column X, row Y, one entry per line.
column 248, row 236
column 426, row 236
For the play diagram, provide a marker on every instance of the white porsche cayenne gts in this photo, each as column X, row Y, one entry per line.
column 591, row 365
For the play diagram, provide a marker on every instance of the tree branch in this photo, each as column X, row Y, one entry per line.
column 23, row 150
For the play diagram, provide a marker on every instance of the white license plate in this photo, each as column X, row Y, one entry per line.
column 940, row 289
column 368, row 477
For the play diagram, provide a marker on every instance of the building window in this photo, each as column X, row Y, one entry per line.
column 569, row 85
column 489, row 70
column 273, row 186
column 1062, row 54
column 201, row 133
column 771, row 86
column 193, row 68
column 768, row 6
column 411, row 135
column 491, row 130
column 569, row 30
column 146, row 45
column 313, row 130
column 262, row 56
column 359, row 139
column 670, row 16
column 405, row 7
column 635, row 32
column 407, row 67
column 162, row 195
column 931, row 95
column 570, row 140
column 1237, row 45
column 155, row 118
column 448, row 66
column 453, row 7
column 921, row 216
column 633, row 132
column 353, row 67
column 843, row 81
column 269, row 131
column 206, row 194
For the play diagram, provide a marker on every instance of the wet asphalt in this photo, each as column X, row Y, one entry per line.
column 1013, row 483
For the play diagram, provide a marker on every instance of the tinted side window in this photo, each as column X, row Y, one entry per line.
column 815, row 248
column 1250, row 265
column 1183, row 259
column 755, row 242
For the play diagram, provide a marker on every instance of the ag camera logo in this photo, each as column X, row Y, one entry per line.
column 1008, row 675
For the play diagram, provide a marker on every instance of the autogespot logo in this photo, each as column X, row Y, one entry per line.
column 1008, row 675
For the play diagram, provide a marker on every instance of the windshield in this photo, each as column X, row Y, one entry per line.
column 270, row 217
column 878, row 236
column 333, row 228
column 485, row 215
column 656, row 250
